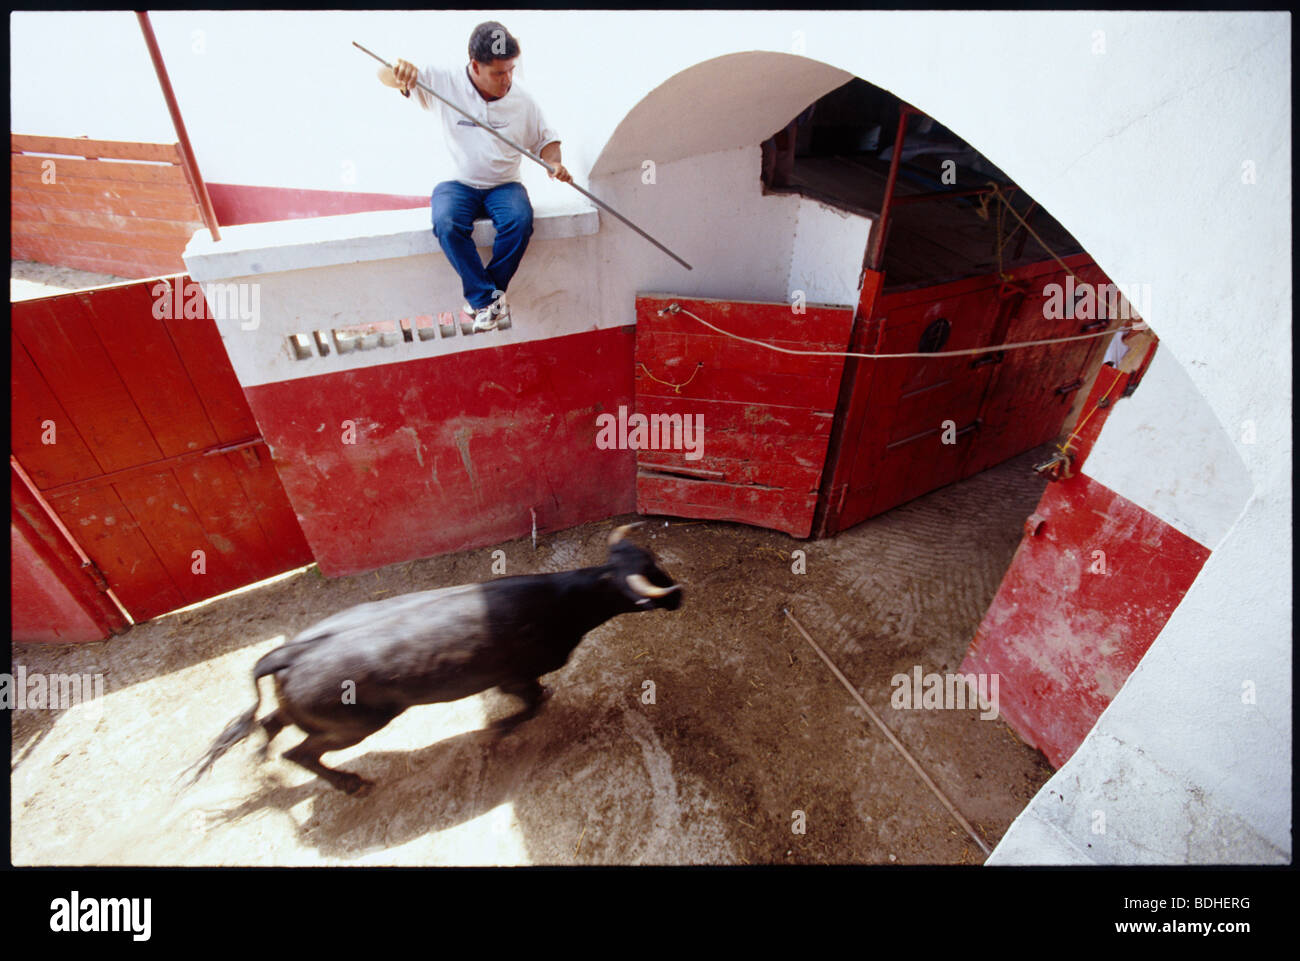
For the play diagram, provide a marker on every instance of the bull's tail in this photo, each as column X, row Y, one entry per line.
column 240, row 727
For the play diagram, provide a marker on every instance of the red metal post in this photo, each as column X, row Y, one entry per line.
column 877, row 251
column 187, row 152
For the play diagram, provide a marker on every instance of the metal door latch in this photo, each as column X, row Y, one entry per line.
column 1060, row 466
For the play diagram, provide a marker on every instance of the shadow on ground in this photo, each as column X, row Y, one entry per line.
column 705, row 735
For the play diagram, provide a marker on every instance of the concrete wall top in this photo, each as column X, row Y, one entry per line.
column 253, row 249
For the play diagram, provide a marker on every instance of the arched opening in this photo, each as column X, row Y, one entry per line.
column 978, row 264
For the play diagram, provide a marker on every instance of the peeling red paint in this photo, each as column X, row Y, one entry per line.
column 495, row 436
column 1091, row 586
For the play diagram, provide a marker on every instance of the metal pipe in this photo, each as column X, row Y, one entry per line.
column 187, row 152
column 536, row 159
column 878, row 240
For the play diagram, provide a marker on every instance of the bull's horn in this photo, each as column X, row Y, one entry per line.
column 618, row 533
column 643, row 587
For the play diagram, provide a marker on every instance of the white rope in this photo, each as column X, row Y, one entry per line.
column 674, row 308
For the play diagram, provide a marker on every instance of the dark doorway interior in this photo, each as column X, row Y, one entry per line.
column 838, row 151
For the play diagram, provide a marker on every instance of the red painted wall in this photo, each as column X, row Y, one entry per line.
column 1092, row 584
column 451, row 452
column 247, row 204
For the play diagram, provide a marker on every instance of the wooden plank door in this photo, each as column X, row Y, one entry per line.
column 763, row 417
column 1033, row 389
column 136, row 432
column 913, row 425
column 922, row 415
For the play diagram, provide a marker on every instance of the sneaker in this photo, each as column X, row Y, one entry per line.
column 485, row 319
column 501, row 312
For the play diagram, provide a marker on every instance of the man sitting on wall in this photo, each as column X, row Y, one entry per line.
column 488, row 170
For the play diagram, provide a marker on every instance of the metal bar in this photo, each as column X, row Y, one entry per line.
column 877, row 253
column 55, row 545
column 231, row 448
column 187, row 151
column 153, row 467
column 536, row 159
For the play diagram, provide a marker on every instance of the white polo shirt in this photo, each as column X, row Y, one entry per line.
column 481, row 159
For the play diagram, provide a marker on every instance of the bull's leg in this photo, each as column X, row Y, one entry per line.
column 309, row 751
column 534, row 695
column 272, row 724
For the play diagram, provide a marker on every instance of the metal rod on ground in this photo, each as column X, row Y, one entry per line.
column 536, row 159
column 187, row 152
column 890, row 734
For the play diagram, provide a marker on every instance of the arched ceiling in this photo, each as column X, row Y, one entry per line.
column 737, row 100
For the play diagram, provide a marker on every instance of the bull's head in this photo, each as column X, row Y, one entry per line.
column 638, row 576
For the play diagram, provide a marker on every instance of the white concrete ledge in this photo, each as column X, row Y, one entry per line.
column 254, row 249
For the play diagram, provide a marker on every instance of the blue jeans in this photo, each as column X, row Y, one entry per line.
column 455, row 207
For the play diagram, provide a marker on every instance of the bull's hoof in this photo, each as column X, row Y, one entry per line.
column 355, row 785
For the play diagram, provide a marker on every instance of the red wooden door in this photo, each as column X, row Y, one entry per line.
column 1034, row 388
column 136, row 432
column 1062, row 655
column 764, row 417
column 925, row 423
column 922, row 414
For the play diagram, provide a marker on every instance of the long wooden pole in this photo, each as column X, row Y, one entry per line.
column 536, row 159
column 929, row 782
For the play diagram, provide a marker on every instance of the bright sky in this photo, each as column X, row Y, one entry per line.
column 272, row 98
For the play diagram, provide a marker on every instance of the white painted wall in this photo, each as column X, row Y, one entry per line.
column 1135, row 130
column 359, row 268
column 1166, row 448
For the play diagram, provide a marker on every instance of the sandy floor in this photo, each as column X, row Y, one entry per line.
column 29, row 280
column 748, row 726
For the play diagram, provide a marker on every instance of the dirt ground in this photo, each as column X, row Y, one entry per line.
column 29, row 280
column 747, row 728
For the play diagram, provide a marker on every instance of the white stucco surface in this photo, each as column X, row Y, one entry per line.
column 581, row 273
column 1162, row 141
column 1181, row 466
column 252, row 249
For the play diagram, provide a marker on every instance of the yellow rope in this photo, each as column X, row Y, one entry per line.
column 997, row 192
column 1070, row 440
column 677, row 388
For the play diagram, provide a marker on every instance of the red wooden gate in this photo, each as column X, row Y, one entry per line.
column 136, row 432
column 1062, row 655
column 766, row 416
column 912, row 426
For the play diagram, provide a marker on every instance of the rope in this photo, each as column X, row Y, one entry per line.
column 677, row 388
column 675, row 308
column 1100, row 403
column 997, row 192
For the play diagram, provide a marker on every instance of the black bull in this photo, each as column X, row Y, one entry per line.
column 345, row 678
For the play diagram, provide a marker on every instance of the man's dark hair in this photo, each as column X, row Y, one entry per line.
column 491, row 41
